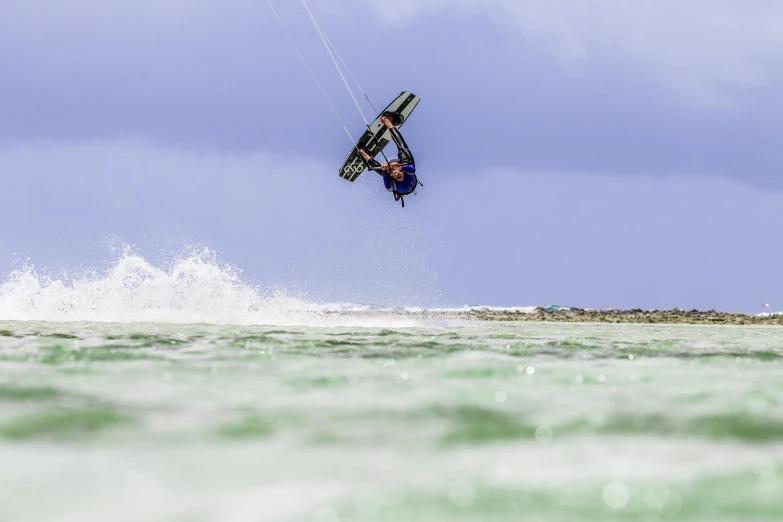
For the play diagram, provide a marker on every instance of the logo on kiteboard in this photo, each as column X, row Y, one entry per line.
column 354, row 168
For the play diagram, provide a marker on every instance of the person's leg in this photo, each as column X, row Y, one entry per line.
column 403, row 152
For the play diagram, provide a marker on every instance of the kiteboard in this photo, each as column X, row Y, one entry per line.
column 377, row 136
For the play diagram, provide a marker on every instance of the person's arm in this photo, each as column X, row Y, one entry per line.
column 372, row 163
column 387, row 180
column 405, row 154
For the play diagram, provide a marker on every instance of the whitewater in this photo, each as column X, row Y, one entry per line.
column 183, row 392
column 194, row 287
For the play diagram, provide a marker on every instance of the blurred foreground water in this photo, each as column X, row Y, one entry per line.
column 400, row 420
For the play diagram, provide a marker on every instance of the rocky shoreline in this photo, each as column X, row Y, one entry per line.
column 577, row 315
column 676, row 316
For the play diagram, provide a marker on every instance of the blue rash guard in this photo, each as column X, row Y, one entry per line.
column 408, row 164
column 408, row 183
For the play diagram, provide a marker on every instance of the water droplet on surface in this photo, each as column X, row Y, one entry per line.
column 368, row 505
column 500, row 396
column 544, row 434
column 396, row 495
column 766, row 469
column 462, row 493
column 630, row 357
column 655, row 496
column 616, row 495
column 502, row 472
column 531, row 370
column 430, row 513
column 674, row 505
column 326, row 514
column 404, row 376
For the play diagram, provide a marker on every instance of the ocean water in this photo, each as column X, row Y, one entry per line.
column 184, row 395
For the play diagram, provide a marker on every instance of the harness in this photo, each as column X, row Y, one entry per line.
column 401, row 196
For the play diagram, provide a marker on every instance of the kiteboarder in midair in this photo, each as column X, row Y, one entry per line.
column 399, row 175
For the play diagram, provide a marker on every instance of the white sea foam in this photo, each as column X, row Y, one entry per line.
column 194, row 288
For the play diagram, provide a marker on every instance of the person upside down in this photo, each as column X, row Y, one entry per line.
column 399, row 175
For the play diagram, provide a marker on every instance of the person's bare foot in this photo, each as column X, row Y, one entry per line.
column 388, row 121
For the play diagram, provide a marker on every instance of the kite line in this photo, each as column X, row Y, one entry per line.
column 312, row 74
column 332, row 51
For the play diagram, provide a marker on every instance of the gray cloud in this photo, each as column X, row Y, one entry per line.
column 706, row 51
column 500, row 86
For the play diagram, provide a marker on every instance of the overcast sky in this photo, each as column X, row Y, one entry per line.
column 573, row 152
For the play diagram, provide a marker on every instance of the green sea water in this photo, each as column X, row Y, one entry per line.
column 389, row 420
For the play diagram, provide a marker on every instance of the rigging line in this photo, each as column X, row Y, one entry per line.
column 327, row 42
column 321, row 34
column 312, row 74
column 346, row 67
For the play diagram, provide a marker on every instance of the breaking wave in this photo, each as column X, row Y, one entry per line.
column 194, row 288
